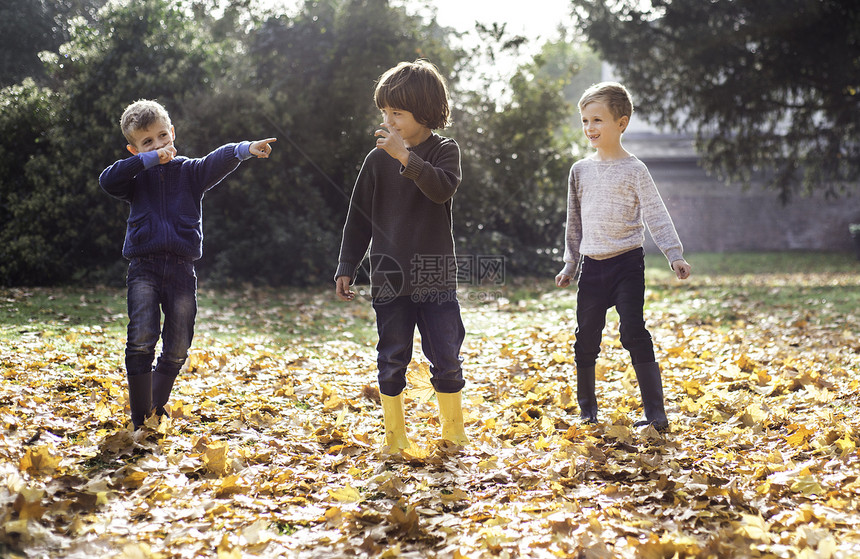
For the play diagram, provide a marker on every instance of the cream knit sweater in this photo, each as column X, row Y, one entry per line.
column 609, row 204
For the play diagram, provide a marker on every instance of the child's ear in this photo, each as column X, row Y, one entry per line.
column 623, row 122
column 131, row 149
column 172, row 133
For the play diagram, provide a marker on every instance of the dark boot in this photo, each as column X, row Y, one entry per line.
column 162, row 386
column 651, row 387
column 139, row 397
column 585, row 394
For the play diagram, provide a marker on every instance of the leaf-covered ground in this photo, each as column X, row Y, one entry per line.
column 274, row 445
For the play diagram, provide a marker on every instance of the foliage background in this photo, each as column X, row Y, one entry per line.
column 232, row 73
column 769, row 99
column 769, row 87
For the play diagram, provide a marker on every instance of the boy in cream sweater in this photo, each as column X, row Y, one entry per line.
column 611, row 198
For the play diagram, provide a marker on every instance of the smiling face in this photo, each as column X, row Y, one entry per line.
column 601, row 128
column 156, row 136
column 404, row 123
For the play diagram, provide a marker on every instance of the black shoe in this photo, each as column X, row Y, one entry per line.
column 585, row 394
column 162, row 386
column 651, row 387
column 139, row 397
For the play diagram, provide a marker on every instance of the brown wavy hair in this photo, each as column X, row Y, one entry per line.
column 417, row 87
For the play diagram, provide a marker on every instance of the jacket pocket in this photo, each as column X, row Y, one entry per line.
column 189, row 229
column 139, row 231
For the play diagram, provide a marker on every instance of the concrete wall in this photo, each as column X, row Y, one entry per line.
column 711, row 216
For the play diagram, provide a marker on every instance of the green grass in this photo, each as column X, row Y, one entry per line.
column 770, row 263
column 724, row 288
column 58, row 309
column 817, row 287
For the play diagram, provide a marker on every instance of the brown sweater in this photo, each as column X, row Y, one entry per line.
column 609, row 204
column 405, row 215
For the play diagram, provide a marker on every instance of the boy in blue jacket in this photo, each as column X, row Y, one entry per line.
column 163, row 239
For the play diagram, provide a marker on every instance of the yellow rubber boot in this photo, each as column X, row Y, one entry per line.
column 395, row 423
column 451, row 417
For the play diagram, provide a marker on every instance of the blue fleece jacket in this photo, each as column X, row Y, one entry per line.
column 166, row 214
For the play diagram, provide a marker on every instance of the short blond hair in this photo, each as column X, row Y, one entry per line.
column 614, row 95
column 417, row 87
column 141, row 115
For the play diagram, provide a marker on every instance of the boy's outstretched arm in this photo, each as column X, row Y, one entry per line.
column 682, row 269
column 343, row 291
column 261, row 148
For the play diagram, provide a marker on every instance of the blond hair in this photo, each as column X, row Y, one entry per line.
column 614, row 95
column 417, row 87
column 141, row 115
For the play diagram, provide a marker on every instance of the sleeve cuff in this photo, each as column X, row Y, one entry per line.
column 243, row 151
column 345, row 269
column 570, row 269
column 413, row 166
column 674, row 255
column 149, row 159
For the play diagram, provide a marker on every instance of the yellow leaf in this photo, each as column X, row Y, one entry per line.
column 547, row 425
column 745, row 363
column 692, row 387
column 754, row 415
column 346, row 494
column 230, row 486
column 620, row 432
column 415, row 451
column 753, row 527
column 215, row 458
column 28, row 504
column 340, row 417
column 102, row 412
column 39, row 460
column 542, row 443
column 528, row 384
column 807, row 485
column 334, row 402
column 799, row 437
column 135, row 551
column 420, row 386
column 391, row 552
column 456, row 495
column 134, row 479
column 845, row 445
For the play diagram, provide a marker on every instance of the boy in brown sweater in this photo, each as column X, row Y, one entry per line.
column 401, row 207
column 611, row 198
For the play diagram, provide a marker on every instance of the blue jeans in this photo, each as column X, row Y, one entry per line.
column 160, row 283
column 615, row 282
column 442, row 333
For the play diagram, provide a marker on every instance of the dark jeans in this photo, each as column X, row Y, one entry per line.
column 157, row 283
column 615, row 282
column 442, row 333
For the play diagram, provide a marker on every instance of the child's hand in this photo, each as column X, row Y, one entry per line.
column 343, row 290
column 392, row 143
column 261, row 148
column 166, row 154
column 682, row 269
column 562, row 280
